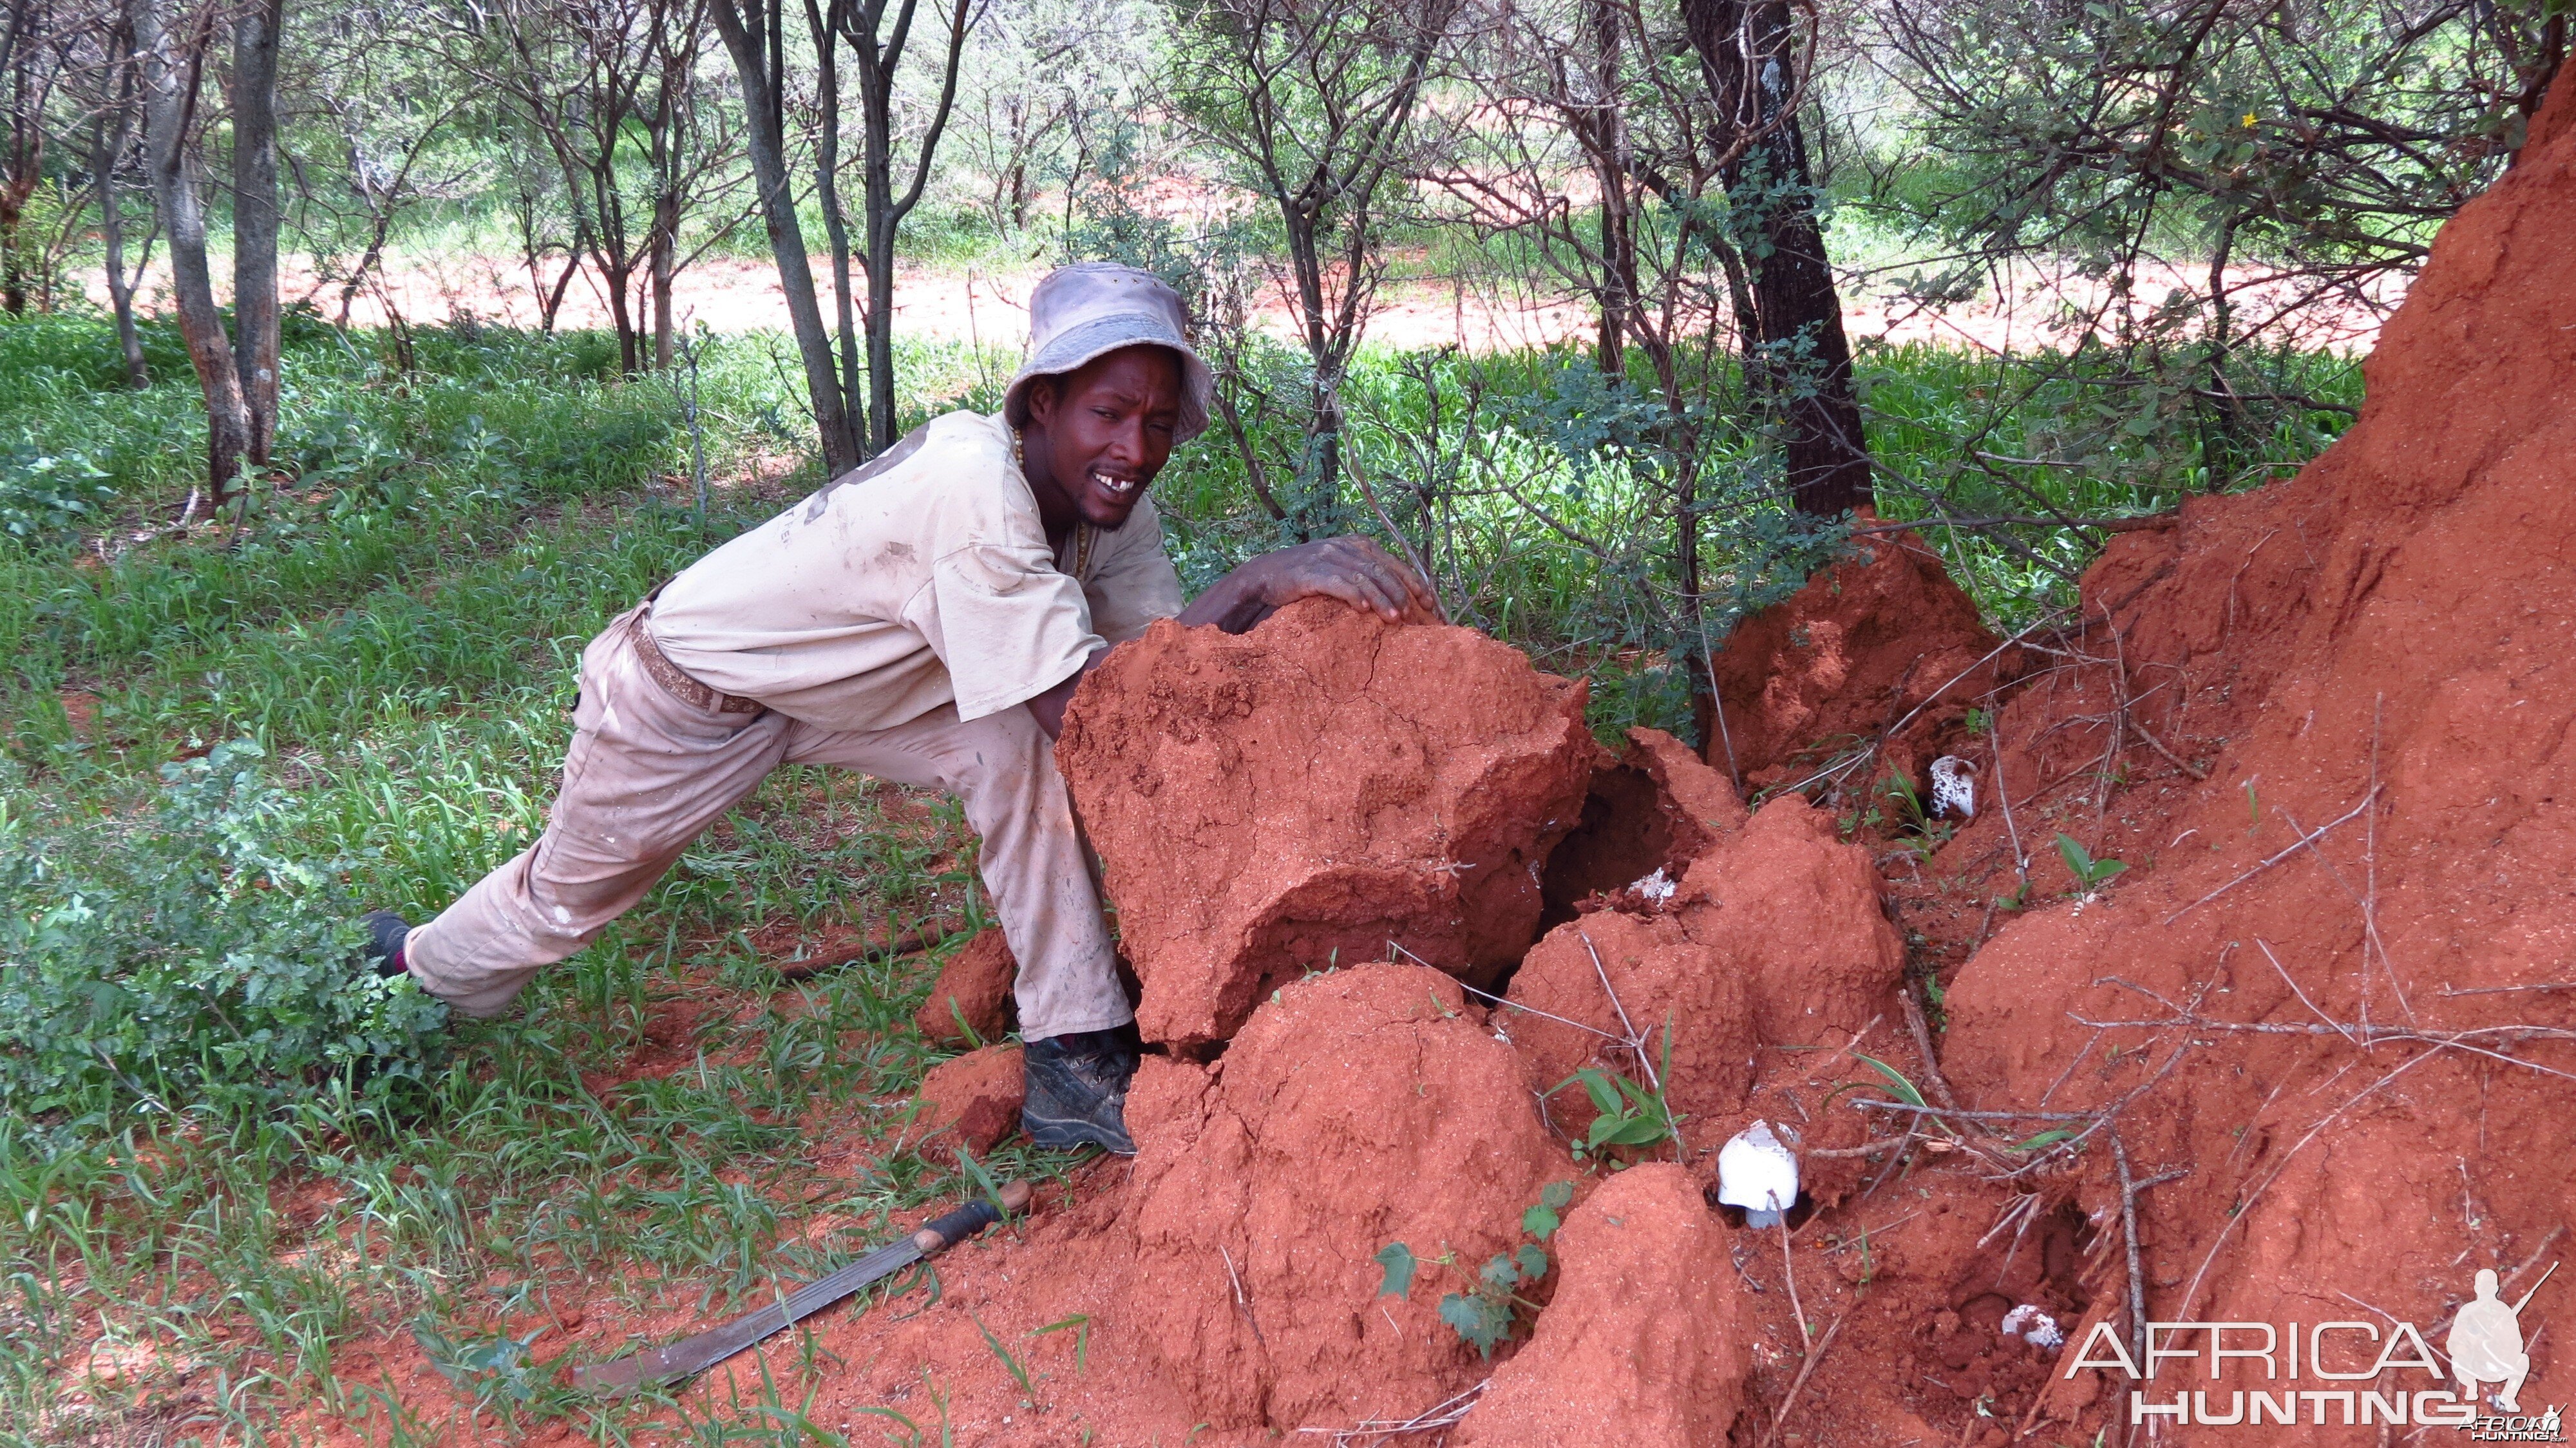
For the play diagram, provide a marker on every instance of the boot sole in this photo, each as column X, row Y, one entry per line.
column 1063, row 1134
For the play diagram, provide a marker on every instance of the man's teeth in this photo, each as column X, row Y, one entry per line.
column 1120, row 486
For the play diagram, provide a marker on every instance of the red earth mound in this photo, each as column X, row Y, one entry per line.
column 976, row 1097
column 1673, row 991
column 973, row 993
column 1773, row 937
column 1640, row 1345
column 1882, row 642
column 2326, row 725
column 1275, row 802
column 1654, row 806
column 1356, row 1109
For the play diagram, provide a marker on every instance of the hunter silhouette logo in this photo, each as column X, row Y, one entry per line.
column 2486, row 1341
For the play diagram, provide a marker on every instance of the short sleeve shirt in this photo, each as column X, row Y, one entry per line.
column 924, row 578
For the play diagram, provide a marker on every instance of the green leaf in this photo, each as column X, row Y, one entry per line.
column 2078, row 861
column 1480, row 1322
column 1532, row 1262
column 1080, row 1322
column 1601, row 1087
column 2045, row 1138
column 1502, row 1274
column 1397, row 1259
column 1896, row 1080
column 1540, row 1221
column 1556, row 1196
column 1635, row 1131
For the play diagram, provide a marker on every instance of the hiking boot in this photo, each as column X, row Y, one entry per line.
column 1077, row 1091
column 386, row 933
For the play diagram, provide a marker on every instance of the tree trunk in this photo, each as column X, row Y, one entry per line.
column 1748, row 50
column 880, row 314
column 25, row 164
column 765, row 138
column 879, row 57
column 2541, row 74
column 107, row 148
column 827, row 190
column 878, row 219
column 13, row 278
column 550, row 305
column 255, row 219
column 665, row 259
column 616, row 279
column 171, row 72
column 1608, row 143
column 32, row 59
column 662, row 241
column 1320, row 470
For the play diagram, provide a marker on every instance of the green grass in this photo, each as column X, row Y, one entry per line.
column 397, row 631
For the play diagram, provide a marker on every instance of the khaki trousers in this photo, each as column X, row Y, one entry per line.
column 647, row 773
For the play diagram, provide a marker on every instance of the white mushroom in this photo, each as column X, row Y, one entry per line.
column 1756, row 1171
column 1954, row 787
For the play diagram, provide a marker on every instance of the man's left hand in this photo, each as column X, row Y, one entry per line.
column 1351, row 568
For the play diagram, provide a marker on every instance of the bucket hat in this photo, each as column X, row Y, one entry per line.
column 1082, row 311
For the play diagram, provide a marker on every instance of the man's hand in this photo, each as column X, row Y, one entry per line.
column 1352, row 569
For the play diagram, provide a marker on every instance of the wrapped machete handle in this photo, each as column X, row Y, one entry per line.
column 947, row 1231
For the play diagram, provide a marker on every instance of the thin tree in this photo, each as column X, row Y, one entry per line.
column 1313, row 105
column 106, row 78
column 171, row 68
column 876, row 42
column 32, row 54
column 849, row 365
column 1602, row 95
column 1755, row 54
column 755, row 35
column 2301, row 152
column 588, row 76
column 255, row 30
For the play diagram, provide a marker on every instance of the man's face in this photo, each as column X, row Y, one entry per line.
column 1105, row 429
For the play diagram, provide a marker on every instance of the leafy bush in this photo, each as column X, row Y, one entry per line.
column 194, row 960
column 46, row 499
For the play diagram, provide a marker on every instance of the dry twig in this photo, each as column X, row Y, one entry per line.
column 2302, row 843
column 1805, row 1369
column 1446, row 1413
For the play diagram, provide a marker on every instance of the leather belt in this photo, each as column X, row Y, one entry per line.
column 670, row 676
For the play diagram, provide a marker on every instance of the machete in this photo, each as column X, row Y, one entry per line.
column 694, row 1355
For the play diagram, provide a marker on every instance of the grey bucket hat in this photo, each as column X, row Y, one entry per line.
column 1082, row 311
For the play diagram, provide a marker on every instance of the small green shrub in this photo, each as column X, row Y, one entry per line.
column 2090, row 873
column 194, row 959
column 47, row 498
column 1630, row 1114
column 1487, row 1311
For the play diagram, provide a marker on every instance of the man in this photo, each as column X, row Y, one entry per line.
column 923, row 619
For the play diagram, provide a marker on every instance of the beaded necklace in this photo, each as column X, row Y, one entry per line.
column 1081, row 529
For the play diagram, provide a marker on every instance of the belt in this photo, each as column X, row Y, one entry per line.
column 670, row 676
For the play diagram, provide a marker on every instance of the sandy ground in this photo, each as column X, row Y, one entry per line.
column 2025, row 308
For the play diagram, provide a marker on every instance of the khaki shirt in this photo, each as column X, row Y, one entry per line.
column 921, row 579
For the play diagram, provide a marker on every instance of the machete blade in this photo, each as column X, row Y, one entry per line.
column 693, row 1355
